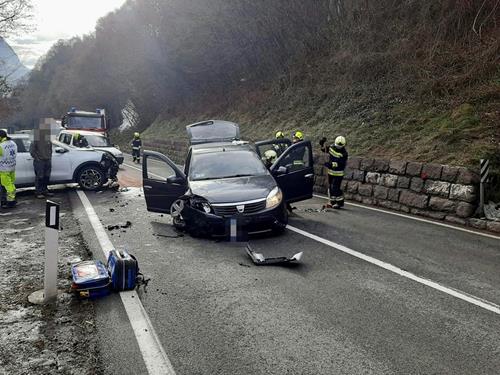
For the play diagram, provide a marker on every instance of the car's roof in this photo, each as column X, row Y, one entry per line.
column 221, row 146
column 85, row 113
column 82, row 132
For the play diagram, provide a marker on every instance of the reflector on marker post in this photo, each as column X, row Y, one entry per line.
column 51, row 248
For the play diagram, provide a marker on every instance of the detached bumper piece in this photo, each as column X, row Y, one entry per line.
column 260, row 260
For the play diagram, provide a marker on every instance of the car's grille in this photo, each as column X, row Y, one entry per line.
column 249, row 208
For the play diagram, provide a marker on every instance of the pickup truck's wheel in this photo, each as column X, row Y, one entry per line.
column 90, row 178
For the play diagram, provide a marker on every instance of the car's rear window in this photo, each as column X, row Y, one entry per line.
column 227, row 164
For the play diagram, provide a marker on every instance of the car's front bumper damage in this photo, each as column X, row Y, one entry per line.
column 208, row 224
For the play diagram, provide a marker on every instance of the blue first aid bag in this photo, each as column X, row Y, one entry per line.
column 123, row 269
column 90, row 279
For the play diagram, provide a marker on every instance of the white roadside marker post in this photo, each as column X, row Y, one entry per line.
column 485, row 170
column 49, row 292
column 51, row 249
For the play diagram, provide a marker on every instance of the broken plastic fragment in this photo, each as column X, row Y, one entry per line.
column 260, row 259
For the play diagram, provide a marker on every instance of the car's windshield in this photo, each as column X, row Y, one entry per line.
column 84, row 122
column 213, row 165
column 97, row 140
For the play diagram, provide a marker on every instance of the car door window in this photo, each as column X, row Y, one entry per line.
column 277, row 145
column 158, row 169
column 297, row 159
column 65, row 138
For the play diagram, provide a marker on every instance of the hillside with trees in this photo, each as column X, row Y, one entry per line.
column 418, row 79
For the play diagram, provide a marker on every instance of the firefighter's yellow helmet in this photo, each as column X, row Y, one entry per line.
column 280, row 134
column 136, row 135
column 298, row 135
column 340, row 141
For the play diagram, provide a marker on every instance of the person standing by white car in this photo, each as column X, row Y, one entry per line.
column 41, row 151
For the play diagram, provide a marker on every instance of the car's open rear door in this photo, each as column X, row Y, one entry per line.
column 162, row 180
column 294, row 172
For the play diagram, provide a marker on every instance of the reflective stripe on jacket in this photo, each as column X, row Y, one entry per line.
column 338, row 161
column 8, row 152
column 136, row 144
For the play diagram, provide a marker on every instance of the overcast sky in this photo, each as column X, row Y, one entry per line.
column 59, row 19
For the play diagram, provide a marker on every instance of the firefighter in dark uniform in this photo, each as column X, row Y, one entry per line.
column 136, row 148
column 295, row 160
column 335, row 169
column 280, row 147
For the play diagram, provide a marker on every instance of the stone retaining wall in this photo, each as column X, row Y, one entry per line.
column 433, row 190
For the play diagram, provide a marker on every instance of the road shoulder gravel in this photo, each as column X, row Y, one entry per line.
column 56, row 339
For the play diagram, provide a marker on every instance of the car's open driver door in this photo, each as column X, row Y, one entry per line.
column 162, row 180
column 294, row 172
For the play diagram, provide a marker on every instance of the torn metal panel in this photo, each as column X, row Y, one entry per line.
column 260, row 259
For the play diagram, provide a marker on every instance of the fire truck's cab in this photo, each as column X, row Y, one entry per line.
column 82, row 120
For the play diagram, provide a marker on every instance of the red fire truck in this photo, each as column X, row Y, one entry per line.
column 82, row 120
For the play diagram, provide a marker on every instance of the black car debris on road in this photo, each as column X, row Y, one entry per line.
column 225, row 180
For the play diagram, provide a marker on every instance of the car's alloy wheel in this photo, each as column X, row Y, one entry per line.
column 175, row 212
column 90, row 178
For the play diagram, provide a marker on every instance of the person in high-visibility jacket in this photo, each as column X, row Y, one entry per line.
column 335, row 169
column 80, row 141
column 8, row 153
column 136, row 148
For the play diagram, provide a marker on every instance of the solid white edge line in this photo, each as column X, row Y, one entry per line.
column 389, row 267
column 415, row 218
column 153, row 354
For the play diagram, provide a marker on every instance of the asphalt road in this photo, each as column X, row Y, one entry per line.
column 217, row 313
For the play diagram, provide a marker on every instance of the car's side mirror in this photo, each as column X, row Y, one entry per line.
column 282, row 170
column 175, row 180
column 60, row 150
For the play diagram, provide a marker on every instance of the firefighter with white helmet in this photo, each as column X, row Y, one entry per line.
column 335, row 169
column 270, row 157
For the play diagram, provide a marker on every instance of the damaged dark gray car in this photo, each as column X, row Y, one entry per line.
column 225, row 181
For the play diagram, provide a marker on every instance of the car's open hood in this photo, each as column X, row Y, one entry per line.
column 232, row 190
column 213, row 131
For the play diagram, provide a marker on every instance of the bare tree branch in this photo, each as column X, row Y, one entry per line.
column 14, row 16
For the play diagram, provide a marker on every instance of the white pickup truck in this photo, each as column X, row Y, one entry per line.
column 85, row 166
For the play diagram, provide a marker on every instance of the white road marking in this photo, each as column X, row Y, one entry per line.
column 389, row 267
column 149, row 173
column 133, row 167
column 154, row 355
column 416, row 218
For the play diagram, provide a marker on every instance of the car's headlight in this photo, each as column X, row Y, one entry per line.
column 206, row 207
column 274, row 198
column 202, row 205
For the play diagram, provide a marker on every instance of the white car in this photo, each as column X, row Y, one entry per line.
column 87, row 167
column 96, row 140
